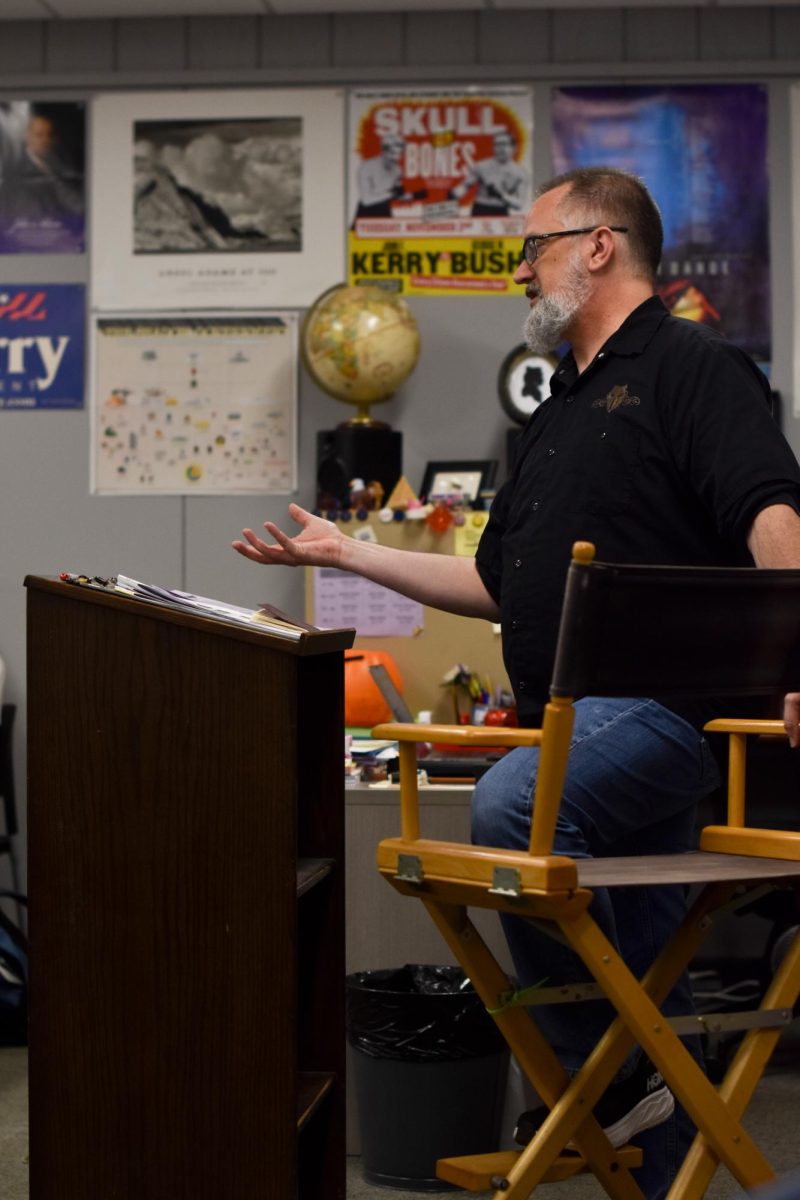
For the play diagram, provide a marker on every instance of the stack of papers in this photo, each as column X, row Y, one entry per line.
column 265, row 617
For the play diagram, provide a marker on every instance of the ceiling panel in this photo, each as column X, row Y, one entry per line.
column 603, row 4
column 315, row 6
column 35, row 10
column 23, row 10
column 634, row 4
column 87, row 9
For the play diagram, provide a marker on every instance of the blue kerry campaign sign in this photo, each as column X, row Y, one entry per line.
column 42, row 337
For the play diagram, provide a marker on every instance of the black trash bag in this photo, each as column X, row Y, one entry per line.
column 418, row 1014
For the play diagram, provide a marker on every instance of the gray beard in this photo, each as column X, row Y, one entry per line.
column 547, row 322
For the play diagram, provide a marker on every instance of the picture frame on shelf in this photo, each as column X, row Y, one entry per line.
column 466, row 478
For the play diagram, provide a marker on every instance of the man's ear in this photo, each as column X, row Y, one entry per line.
column 602, row 250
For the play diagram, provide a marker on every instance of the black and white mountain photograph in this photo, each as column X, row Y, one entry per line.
column 201, row 186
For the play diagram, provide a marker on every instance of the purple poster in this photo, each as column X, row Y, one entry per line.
column 42, row 206
column 702, row 151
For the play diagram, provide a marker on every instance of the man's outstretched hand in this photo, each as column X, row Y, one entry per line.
column 318, row 543
column 791, row 717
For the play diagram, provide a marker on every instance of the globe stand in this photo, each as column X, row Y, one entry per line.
column 358, row 344
column 356, row 450
column 362, row 417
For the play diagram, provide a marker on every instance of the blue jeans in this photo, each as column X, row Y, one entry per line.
column 636, row 774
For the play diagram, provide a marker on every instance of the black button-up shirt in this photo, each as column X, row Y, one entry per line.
column 662, row 451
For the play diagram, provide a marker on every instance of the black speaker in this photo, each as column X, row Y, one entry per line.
column 368, row 452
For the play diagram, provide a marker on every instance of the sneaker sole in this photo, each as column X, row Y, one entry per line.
column 650, row 1111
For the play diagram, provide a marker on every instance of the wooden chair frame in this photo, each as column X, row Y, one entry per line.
column 734, row 655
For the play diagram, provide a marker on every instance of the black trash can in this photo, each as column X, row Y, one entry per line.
column 430, row 1072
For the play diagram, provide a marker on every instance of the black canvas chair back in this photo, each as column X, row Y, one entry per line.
column 677, row 631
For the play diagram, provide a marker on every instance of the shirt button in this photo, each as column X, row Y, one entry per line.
column 551, row 452
column 521, row 685
column 515, row 624
column 535, row 505
column 517, row 562
column 570, row 399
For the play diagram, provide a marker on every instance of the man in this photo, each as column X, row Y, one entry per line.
column 380, row 180
column 657, row 444
column 42, row 185
column 502, row 183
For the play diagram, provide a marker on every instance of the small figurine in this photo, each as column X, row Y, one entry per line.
column 417, row 511
column 402, row 495
column 440, row 518
column 368, row 496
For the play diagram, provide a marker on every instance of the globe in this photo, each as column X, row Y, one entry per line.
column 359, row 344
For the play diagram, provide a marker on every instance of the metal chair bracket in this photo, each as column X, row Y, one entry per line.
column 727, row 1022
column 409, row 869
column 506, row 881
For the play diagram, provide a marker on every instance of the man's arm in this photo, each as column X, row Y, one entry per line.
column 471, row 177
column 774, row 541
column 447, row 581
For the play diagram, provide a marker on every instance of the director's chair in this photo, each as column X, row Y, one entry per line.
column 625, row 631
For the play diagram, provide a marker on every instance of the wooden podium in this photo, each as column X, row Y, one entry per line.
column 186, row 882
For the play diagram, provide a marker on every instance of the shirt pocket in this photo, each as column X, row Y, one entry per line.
column 610, row 460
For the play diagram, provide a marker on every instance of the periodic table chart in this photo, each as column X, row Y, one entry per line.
column 195, row 404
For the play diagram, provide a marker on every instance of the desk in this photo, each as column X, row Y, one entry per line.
column 382, row 929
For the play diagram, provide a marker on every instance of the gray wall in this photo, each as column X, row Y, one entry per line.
column 448, row 408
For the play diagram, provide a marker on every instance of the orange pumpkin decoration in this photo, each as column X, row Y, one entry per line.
column 364, row 704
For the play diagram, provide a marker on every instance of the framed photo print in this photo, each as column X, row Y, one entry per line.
column 463, row 479
column 216, row 199
column 524, row 382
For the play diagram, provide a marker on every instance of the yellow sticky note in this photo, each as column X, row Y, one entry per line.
column 469, row 534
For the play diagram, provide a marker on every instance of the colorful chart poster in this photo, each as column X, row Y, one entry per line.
column 439, row 184
column 702, row 151
column 42, row 202
column 42, row 336
column 212, row 200
column 195, row 405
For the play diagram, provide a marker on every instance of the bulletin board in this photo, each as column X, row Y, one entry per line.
column 442, row 640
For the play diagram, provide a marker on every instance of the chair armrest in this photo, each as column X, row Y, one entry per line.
column 738, row 730
column 459, row 735
column 456, row 735
column 744, row 725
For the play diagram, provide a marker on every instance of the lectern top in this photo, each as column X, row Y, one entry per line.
column 147, row 600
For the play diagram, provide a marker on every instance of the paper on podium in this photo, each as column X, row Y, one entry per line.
column 266, row 617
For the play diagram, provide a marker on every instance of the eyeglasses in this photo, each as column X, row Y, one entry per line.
column 530, row 247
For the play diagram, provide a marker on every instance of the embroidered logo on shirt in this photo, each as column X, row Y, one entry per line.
column 615, row 398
